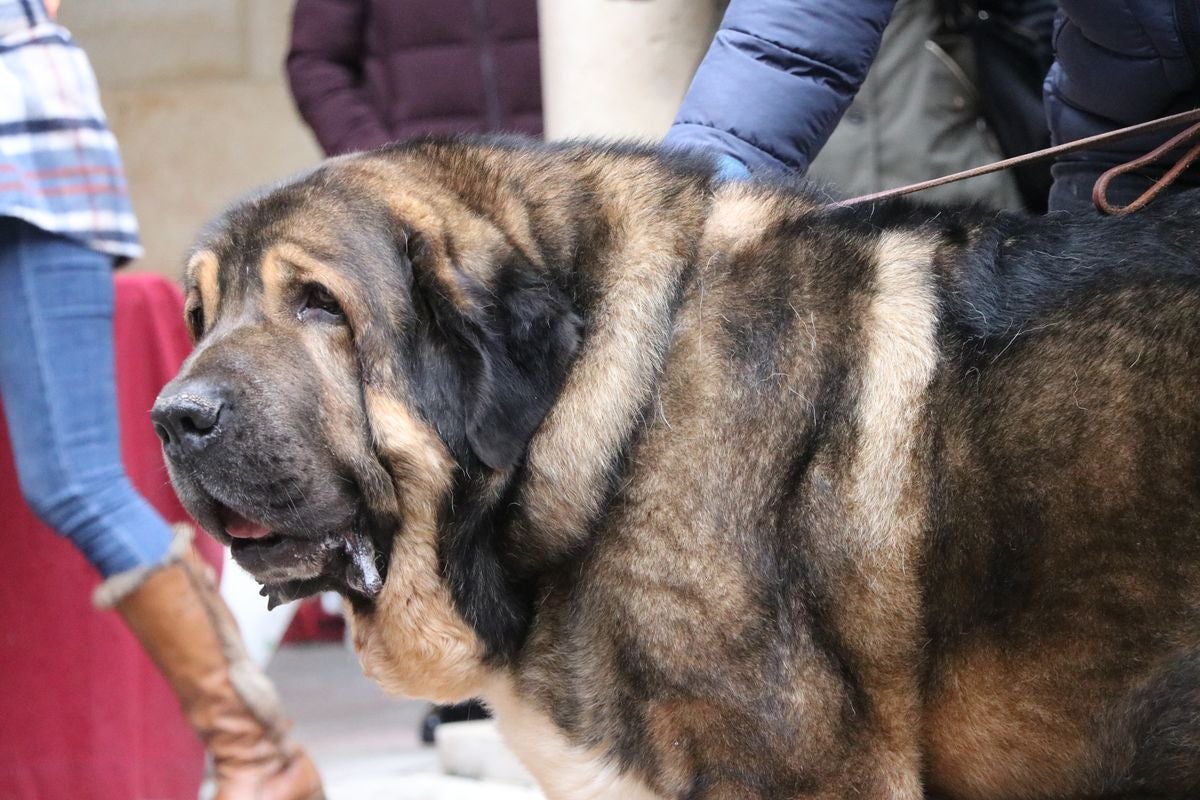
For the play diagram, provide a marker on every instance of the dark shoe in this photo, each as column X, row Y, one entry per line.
column 460, row 712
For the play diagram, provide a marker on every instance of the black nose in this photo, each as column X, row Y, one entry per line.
column 189, row 418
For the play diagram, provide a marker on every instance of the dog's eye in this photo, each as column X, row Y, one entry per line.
column 195, row 317
column 319, row 304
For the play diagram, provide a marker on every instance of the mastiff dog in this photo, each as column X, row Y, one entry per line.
column 712, row 490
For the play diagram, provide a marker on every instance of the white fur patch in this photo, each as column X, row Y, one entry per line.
column 564, row 771
column 901, row 359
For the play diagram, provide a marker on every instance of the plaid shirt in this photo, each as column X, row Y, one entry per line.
column 59, row 165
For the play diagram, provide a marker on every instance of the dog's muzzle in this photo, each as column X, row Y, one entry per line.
column 195, row 420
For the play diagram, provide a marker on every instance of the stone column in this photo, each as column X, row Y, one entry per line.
column 619, row 68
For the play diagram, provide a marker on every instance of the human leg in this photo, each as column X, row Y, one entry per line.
column 58, row 386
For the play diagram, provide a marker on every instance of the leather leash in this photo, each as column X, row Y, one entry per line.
column 1099, row 191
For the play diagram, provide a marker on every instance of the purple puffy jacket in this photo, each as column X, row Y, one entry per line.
column 367, row 72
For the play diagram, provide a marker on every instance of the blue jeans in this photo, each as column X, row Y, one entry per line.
column 59, row 391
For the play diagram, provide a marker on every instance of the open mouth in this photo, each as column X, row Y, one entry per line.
column 238, row 527
column 290, row 566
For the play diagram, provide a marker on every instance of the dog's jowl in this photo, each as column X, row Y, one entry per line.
column 712, row 491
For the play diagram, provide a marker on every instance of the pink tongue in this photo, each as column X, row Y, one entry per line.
column 242, row 528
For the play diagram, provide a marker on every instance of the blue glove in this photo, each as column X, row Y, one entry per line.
column 730, row 169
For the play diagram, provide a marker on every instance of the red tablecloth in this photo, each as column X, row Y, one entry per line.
column 83, row 713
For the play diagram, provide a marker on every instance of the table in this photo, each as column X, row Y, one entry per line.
column 83, row 712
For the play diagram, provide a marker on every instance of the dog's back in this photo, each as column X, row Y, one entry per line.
column 1062, row 568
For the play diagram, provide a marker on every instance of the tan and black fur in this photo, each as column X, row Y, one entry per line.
column 713, row 491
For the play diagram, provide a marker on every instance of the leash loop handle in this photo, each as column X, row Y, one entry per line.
column 1100, row 190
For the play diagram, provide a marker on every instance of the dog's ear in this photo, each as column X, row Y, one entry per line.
column 526, row 341
column 514, row 342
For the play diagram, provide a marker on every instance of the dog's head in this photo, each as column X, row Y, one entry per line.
column 361, row 334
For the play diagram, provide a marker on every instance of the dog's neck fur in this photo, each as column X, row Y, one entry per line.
column 642, row 222
column 630, row 294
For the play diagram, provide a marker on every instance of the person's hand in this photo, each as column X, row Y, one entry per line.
column 51, row 8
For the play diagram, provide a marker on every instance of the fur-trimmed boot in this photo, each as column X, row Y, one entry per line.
column 182, row 622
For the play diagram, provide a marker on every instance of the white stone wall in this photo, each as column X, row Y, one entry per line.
column 619, row 68
column 195, row 92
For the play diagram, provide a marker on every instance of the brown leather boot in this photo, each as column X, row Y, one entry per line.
column 185, row 626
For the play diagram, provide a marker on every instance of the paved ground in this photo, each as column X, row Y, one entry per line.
column 365, row 742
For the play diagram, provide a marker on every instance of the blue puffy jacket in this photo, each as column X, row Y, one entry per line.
column 778, row 77
column 780, row 73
